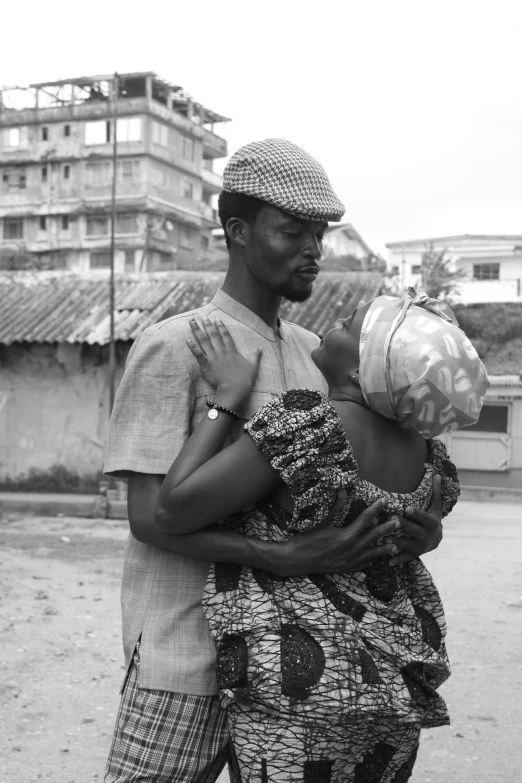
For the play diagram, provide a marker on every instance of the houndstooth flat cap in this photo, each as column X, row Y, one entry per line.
column 279, row 172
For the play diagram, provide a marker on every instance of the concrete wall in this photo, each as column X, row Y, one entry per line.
column 53, row 407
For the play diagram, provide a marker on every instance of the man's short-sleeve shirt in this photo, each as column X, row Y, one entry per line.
column 159, row 402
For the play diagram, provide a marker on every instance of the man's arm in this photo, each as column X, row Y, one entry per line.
column 325, row 549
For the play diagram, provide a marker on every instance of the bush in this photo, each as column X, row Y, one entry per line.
column 496, row 333
column 492, row 324
column 57, row 479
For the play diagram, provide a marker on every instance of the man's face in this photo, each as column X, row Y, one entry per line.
column 283, row 252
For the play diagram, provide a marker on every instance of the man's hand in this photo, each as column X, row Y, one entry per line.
column 423, row 528
column 330, row 549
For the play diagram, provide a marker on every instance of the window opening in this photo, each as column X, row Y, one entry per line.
column 12, row 137
column 187, row 189
column 97, row 132
column 185, row 237
column 66, row 130
column 126, row 224
column 14, row 179
column 45, row 133
column 43, row 223
column 66, row 172
column 97, row 225
column 160, row 134
column 129, row 129
column 65, row 222
column 486, row 271
column 187, row 148
column 100, row 260
column 129, row 171
column 13, row 228
column 493, row 418
column 98, row 173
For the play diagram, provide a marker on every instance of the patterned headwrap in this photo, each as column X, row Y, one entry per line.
column 283, row 174
column 418, row 367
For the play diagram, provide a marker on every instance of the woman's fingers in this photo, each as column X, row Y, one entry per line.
column 199, row 334
column 225, row 335
column 212, row 330
column 196, row 350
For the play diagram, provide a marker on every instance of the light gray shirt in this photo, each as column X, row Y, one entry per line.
column 159, row 402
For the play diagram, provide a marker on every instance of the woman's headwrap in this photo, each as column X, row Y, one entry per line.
column 418, row 367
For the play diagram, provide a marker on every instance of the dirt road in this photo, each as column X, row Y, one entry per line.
column 61, row 663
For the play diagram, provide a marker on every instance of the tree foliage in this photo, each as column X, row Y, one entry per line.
column 439, row 279
column 19, row 258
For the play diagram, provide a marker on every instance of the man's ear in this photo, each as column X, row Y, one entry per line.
column 236, row 229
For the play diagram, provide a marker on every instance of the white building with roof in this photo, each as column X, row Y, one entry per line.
column 344, row 240
column 492, row 264
column 489, row 454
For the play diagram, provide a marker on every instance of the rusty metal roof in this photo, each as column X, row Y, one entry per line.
column 64, row 307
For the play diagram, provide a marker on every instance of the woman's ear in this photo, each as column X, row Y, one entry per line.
column 355, row 377
column 236, row 229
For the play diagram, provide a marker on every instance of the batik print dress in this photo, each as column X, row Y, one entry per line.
column 327, row 677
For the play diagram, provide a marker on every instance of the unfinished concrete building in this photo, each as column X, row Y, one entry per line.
column 56, row 175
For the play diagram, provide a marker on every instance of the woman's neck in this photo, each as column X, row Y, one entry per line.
column 347, row 393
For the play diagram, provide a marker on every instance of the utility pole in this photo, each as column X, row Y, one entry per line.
column 112, row 344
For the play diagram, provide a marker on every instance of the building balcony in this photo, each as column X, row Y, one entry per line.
column 213, row 145
column 209, row 214
column 483, row 291
column 212, row 182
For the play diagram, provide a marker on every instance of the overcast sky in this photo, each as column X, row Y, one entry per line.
column 414, row 108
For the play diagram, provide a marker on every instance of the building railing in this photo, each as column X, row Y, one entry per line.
column 477, row 291
column 213, row 180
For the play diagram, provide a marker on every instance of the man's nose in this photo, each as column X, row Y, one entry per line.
column 313, row 249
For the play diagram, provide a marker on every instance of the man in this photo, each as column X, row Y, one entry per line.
column 275, row 207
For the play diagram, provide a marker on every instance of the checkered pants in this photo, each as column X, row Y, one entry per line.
column 163, row 737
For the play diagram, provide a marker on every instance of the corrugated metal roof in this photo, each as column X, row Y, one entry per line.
column 56, row 307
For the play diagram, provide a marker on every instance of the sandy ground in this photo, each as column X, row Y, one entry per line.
column 61, row 662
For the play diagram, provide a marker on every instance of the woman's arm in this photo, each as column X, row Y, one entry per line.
column 204, row 483
column 231, row 480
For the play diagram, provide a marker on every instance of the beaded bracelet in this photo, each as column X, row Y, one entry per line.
column 221, row 408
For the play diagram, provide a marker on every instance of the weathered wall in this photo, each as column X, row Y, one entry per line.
column 53, row 407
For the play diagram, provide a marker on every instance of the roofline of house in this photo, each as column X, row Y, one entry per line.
column 438, row 240
column 358, row 237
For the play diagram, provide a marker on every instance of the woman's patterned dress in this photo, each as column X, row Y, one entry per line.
column 327, row 677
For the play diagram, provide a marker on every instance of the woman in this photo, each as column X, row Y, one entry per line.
column 330, row 678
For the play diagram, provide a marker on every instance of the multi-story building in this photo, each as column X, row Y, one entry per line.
column 56, row 174
column 491, row 265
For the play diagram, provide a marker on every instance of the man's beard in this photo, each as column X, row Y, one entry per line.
column 285, row 289
column 291, row 295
